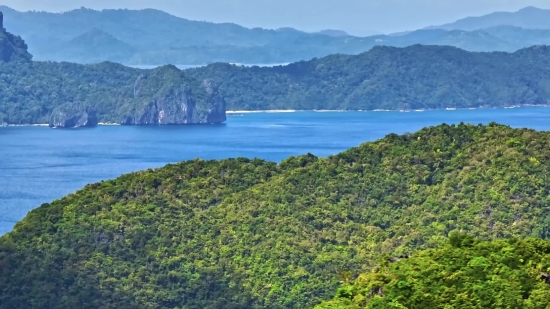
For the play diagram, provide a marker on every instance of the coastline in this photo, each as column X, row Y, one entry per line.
column 26, row 125
column 242, row 112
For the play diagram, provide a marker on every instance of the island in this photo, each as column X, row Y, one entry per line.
column 67, row 95
column 417, row 77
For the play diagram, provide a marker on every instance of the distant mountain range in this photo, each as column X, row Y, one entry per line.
column 416, row 77
column 152, row 37
column 529, row 18
column 332, row 32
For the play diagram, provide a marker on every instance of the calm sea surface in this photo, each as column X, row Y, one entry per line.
column 39, row 164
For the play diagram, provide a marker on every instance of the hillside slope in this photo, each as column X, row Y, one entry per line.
column 466, row 273
column 391, row 78
column 73, row 95
column 416, row 77
column 57, row 93
column 252, row 234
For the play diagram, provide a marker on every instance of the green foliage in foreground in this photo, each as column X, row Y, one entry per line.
column 254, row 234
column 466, row 273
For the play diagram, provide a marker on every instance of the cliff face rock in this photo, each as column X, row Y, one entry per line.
column 71, row 117
column 12, row 47
column 217, row 109
column 176, row 99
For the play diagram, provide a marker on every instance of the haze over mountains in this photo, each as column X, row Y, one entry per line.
column 152, row 37
column 529, row 18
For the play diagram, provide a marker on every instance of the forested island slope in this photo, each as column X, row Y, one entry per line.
column 73, row 95
column 243, row 233
column 416, row 77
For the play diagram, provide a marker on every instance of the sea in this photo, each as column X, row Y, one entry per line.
column 39, row 164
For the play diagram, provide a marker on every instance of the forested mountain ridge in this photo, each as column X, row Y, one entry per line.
column 253, row 234
column 415, row 77
column 74, row 95
column 152, row 37
column 48, row 92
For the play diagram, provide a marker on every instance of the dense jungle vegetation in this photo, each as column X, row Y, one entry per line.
column 466, row 273
column 31, row 91
column 244, row 233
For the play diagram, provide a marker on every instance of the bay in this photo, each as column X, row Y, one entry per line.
column 39, row 164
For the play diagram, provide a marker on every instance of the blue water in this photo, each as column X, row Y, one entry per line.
column 39, row 164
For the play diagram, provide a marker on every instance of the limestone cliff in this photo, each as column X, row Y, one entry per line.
column 167, row 96
column 70, row 116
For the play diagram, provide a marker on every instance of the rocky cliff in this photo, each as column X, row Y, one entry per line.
column 167, row 96
column 12, row 47
column 70, row 116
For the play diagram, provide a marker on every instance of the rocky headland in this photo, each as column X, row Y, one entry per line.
column 73, row 117
column 176, row 102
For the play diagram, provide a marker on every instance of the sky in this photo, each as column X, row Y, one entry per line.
column 358, row 17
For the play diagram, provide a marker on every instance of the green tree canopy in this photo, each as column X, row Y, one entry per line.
column 247, row 233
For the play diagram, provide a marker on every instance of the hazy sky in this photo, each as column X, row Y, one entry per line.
column 355, row 16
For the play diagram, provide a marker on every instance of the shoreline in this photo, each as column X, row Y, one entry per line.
column 237, row 112
column 273, row 111
column 26, row 125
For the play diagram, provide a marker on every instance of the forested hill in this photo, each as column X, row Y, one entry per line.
column 392, row 78
column 73, row 95
column 415, row 77
column 245, row 233
column 68, row 95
